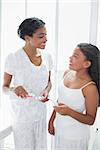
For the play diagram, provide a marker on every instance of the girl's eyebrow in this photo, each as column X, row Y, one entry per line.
column 75, row 54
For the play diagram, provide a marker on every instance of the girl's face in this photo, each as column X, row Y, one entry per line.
column 39, row 38
column 78, row 60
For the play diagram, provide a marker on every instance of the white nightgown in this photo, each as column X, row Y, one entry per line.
column 29, row 114
column 70, row 134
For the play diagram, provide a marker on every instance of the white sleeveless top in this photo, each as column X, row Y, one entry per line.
column 67, row 125
column 73, row 98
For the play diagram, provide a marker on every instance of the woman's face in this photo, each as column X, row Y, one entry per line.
column 78, row 60
column 39, row 38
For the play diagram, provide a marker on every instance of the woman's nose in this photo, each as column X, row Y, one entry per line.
column 45, row 38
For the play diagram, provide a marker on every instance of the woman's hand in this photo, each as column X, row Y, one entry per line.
column 45, row 94
column 21, row 92
column 62, row 109
column 51, row 128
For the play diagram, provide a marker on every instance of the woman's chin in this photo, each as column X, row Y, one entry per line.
column 42, row 47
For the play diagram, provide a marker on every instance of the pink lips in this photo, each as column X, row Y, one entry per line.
column 43, row 44
column 70, row 64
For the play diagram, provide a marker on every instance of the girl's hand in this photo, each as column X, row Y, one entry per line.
column 62, row 109
column 51, row 128
column 21, row 92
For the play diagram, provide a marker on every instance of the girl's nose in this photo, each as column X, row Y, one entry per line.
column 70, row 57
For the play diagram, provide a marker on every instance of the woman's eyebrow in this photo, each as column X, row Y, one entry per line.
column 42, row 34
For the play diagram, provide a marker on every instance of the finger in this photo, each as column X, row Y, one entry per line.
column 20, row 90
column 51, row 131
column 45, row 96
column 23, row 95
column 60, row 104
column 44, row 100
column 56, row 109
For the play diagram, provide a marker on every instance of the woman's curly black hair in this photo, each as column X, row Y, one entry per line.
column 29, row 27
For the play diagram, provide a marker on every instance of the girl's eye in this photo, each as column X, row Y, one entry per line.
column 74, row 55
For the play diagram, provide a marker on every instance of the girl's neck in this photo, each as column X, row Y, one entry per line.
column 82, row 75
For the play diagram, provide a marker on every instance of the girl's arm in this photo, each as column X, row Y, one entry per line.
column 51, row 129
column 91, row 103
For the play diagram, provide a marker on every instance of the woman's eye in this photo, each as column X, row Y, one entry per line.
column 75, row 56
column 40, row 37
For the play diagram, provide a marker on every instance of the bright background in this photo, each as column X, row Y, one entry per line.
column 68, row 23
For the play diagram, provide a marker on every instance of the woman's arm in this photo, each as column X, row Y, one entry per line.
column 91, row 102
column 46, row 91
column 48, row 88
column 6, row 83
column 19, row 90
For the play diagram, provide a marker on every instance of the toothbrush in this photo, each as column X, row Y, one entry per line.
column 31, row 95
column 55, row 103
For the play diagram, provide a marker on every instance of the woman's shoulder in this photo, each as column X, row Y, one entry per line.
column 45, row 54
column 47, row 58
column 18, row 52
column 14, row 53
column 12, row 56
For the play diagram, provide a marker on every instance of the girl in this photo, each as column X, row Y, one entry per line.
column 30, row 69
column 77, row 101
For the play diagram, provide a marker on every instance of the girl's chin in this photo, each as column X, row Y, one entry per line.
column 70, row 67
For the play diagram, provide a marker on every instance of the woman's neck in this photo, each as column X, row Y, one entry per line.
column 31, row 51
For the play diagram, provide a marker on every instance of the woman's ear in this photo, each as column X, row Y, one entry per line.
column 27, row 38
column 87, row 64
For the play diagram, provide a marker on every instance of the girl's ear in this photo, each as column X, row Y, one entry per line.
column 87, row 64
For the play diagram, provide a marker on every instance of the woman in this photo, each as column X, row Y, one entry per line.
column 77, row 101
column 28, row 70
